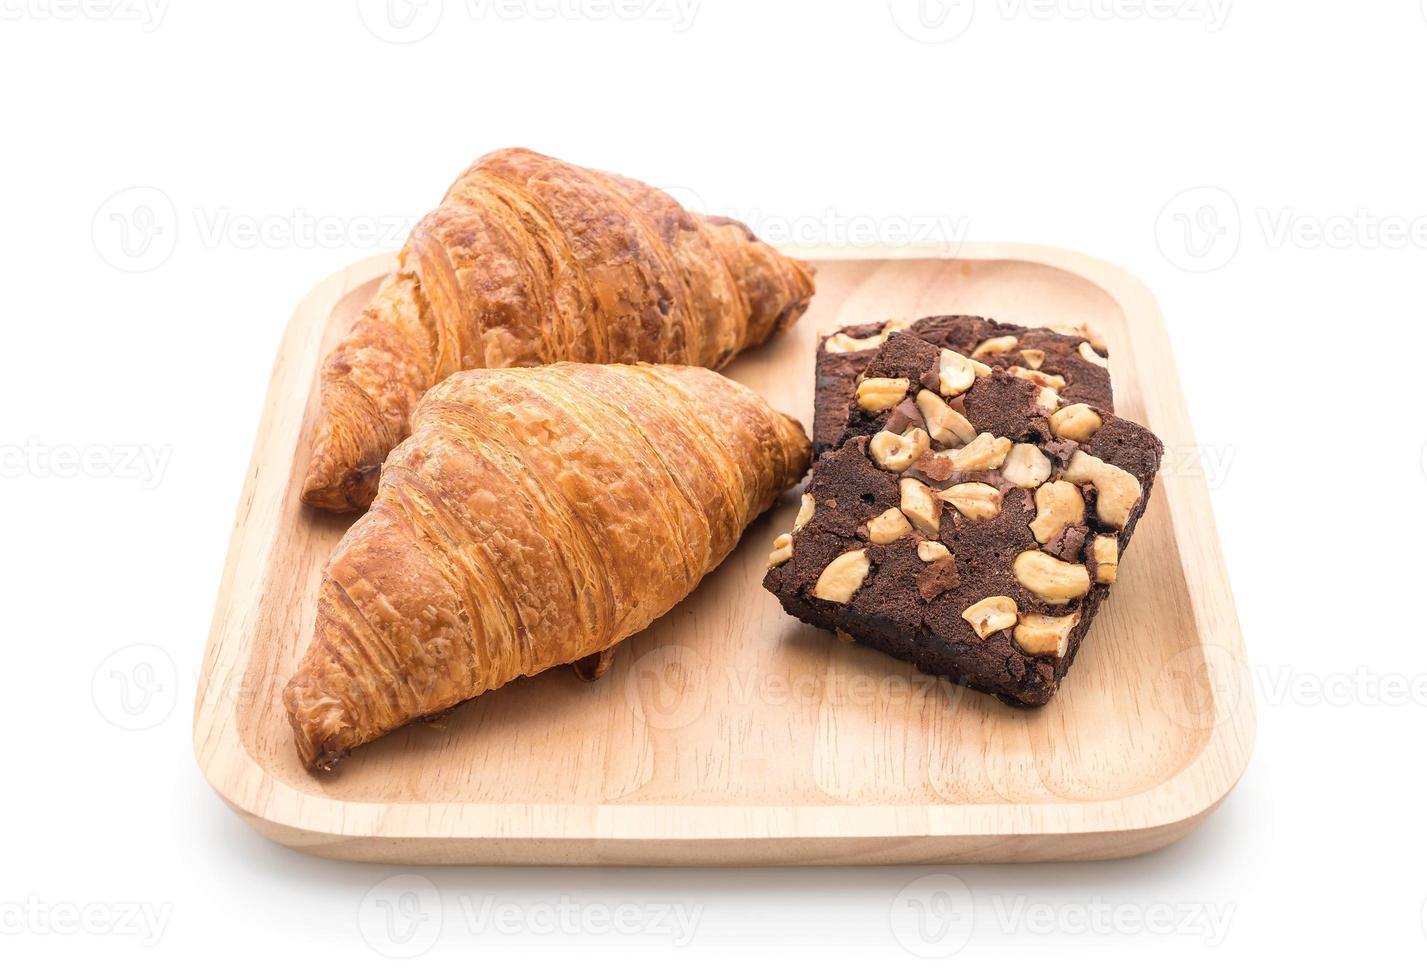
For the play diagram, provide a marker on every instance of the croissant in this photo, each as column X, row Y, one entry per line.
column 529, row 260
column 535, row 517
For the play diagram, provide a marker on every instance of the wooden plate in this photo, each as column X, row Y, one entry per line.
column 728, row 733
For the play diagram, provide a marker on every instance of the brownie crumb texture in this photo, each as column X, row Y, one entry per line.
column 971, row 521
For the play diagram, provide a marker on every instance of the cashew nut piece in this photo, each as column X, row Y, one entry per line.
column 843, row 576
column 1117, row 491
column 985, row 452
column 842, row 343
column 880, row 394
column 991, row 615
column 888, row 526
column 1038, row 633
column 805, row 512
column 930, row 551
column 1107, row 558
column 1078, row 422
column 975, row 501
column 955, row 373
column 994, row 345
column 782, row 550
column 921, row 508
column 1081, row 330
column 1026, row 466
column 1033, row 357
column 1039, row 377
column 1058, row 506
column 1092, row 355
column 1052, row 580
column 945, row 424
column 897, row 452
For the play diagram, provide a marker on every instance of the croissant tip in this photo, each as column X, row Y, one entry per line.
column 352, row 494
column 323, row 762
column 316, row 755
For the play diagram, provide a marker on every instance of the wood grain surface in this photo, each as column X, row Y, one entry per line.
column 729, row 733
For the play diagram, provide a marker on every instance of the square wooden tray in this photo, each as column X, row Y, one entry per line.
column 729, row 733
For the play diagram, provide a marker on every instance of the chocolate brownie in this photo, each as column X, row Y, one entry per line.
column 970, row 523
column 1072, row 359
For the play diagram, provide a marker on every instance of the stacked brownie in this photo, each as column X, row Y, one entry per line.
column 969, row 518
column 1071, row 358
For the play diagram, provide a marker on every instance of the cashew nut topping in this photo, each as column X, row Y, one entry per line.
column 945, row 424
column 805, row 512
column 1107, row 558
column 994, row 345
column 1081, row 330
column 1058, row 506
column 782, row 550
column 1092, row 355
column 897, row 452
column 1026, row 466
column 975, row 501
column 843, row 343
column 1052, row 580
column 1038, row 633
column 1044, row 380
column 888, row 526
column 1117, row 491
column 991, row 615
column 1078, row 422
column 843, row 576
column 1033, row 357
column 985, row 452
column 1047, row 399
column 930, row 551
column 955, row 373
column 921, row 508
column 880, row 394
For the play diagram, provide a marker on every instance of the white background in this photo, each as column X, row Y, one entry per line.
column 1295, row 306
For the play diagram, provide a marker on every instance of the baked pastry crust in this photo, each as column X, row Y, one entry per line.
column 529, row 260
column 535, row 517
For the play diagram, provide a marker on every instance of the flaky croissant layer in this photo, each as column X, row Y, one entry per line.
column 529, row 260
column 534, row 517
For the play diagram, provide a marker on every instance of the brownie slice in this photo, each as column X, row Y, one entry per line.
column 1071, row 357
column 971, row 523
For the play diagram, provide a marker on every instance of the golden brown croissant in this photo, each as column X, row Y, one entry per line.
column 535, row 516
column 529, row 260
